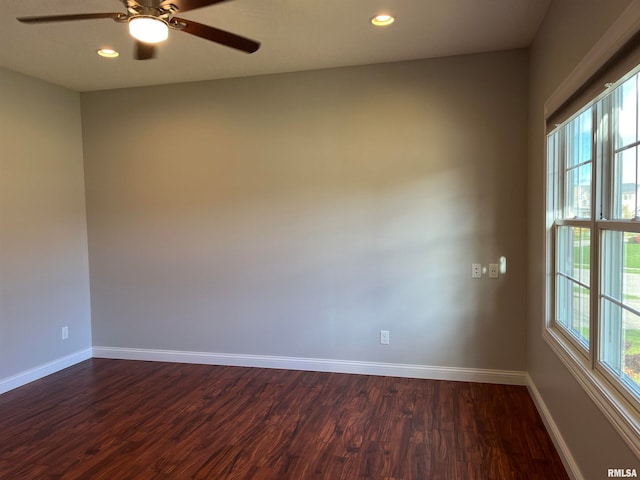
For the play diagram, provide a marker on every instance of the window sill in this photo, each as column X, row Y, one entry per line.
column 622, row 416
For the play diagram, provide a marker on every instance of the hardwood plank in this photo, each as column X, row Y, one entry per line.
column 106, row 419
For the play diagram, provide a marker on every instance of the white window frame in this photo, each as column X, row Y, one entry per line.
column 619, row 403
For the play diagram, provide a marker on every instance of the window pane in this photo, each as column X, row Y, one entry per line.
column 610, row 335
column 566, row 250
column 578, row 192
column 626, row 113
column 579, row 139
column 625, row 159
column 574, row 253
column 611, row 270
column 564, row 302
column 631, row 347
column 626, row 184
column 620, row 349
column 583, row 246
column 621, row 267
column 572, row 281
column 620, row 330
column 572, row 308
column 577, row 195
column 580, row 321
column 631, row 265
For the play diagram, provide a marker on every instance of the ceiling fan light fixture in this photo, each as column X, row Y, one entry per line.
column 382, row 20
column 148, row 29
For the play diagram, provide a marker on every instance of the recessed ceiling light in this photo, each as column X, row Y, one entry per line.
column 382, row 20
column 108, row 53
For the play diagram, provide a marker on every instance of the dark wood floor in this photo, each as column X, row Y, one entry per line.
column 118, row 420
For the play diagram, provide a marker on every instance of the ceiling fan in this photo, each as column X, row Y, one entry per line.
column 150, row 20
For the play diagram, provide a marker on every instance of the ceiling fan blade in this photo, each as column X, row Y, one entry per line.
column 219, row 36
column 186, row 5
column 64, row 18
column 145, row 51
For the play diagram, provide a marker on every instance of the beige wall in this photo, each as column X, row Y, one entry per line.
column 44, row 277
column 299, row 214
column 570, row 30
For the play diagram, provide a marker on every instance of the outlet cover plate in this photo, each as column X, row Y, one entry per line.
column 476, row 270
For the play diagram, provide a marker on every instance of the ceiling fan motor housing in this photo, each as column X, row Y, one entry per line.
column 150, row 8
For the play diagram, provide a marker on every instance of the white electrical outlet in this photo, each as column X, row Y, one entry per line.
column 384, row 337
column 476, row 270
column 65, row 333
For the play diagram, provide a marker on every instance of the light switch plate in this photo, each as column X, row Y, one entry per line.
column 493, row 270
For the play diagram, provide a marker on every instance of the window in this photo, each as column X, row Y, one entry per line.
column 593, row 212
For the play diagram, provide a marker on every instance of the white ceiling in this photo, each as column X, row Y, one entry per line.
column 295, row 35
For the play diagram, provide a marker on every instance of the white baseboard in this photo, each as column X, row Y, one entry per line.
column 505, row 377
column 41, row 371
column 568, row 461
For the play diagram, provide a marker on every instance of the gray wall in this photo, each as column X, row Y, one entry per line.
column 44, row 277
column 299, row 214
column 560, row 45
